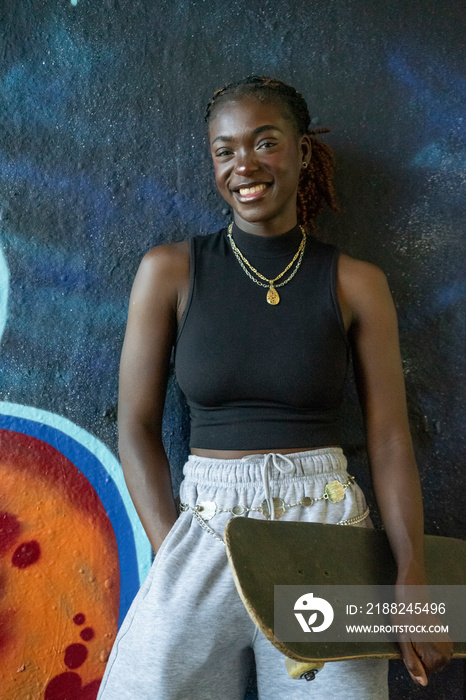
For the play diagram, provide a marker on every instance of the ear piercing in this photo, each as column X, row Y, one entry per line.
column 304, row 165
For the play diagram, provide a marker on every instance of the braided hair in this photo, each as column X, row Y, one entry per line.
column 315, row 187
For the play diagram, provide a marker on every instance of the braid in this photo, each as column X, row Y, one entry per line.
column 315, row 187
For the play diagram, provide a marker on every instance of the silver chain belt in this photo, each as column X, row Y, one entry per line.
column 334, row 492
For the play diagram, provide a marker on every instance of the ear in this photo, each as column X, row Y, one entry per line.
column 306, row 148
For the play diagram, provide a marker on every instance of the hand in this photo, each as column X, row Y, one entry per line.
column 423, row 658
column 427, row 653
column 162, row 532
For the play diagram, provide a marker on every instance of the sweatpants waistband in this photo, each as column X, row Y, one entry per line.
column 251, row 470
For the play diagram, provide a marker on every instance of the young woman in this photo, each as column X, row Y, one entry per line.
column 262, row 317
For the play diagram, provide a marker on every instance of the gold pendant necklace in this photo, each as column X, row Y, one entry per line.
column 273, row 297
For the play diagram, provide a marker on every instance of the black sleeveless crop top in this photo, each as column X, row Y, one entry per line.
column 258, row 376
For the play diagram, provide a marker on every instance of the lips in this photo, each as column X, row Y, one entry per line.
column 251, row 192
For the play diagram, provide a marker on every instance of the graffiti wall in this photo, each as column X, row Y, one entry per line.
column 103, row 154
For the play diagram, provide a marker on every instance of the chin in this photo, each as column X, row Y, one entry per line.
column 257, row 216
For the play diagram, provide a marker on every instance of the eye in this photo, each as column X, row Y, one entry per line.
column 222, row 152
column 267, row 144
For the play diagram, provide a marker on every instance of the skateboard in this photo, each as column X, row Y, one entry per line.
column 263, row 554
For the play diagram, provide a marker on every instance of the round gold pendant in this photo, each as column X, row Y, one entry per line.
column 207, row 509
column 334, row 491
column 273, row 296
column 306, row 501
column 279, row 507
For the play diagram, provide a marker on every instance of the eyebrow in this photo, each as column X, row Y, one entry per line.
column 258, row 130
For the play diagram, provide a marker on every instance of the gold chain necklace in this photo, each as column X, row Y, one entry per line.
column 273, row 296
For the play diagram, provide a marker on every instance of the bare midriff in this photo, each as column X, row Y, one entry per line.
column 238, row 454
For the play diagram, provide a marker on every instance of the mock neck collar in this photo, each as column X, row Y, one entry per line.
column 267, row 246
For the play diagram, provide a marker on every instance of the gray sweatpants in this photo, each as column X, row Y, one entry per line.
column 187, row 635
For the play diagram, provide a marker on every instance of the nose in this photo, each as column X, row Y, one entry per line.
column 246, row 162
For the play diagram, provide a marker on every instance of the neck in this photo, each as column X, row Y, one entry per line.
column 267, row 229
column 268, row 246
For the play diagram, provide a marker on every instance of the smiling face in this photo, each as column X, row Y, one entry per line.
column 258, row 157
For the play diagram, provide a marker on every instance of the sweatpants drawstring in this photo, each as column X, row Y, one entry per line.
column 281, row 462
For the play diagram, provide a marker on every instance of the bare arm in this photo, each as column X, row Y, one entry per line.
column 369, row 311
column 157, row 297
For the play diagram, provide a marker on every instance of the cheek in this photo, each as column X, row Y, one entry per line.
column 219, row 173
column 287, row 161
column 217, row 170
column 296, row 161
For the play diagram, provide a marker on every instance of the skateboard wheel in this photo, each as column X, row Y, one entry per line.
column 303, row 669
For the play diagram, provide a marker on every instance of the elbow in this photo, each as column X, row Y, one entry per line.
column 136, row 436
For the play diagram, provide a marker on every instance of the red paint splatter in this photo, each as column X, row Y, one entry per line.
column 63, row 687
column 79, row 619
column 67, row 686
column 75, row 655
column 39, row 459
column 89, row 692
column 9, row 531
column 87, row 634
column 26, row 554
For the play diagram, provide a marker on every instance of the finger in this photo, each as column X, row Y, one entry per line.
column 434, row 657
column 413, row 663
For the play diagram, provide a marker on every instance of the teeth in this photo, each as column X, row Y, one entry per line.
column 251, row 190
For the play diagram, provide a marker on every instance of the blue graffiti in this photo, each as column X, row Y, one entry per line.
column 440, row 91
column 447, row 296
column 438, row 156
column 439, row 95
column 4, row 287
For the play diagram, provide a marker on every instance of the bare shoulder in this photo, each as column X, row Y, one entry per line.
column 162, row 280
column 362, row 287
column 164, row 267
column 353, row 272
column 167, row 259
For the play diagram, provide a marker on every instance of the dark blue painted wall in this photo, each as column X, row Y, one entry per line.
column 103, row 155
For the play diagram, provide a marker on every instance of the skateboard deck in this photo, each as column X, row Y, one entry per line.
column 265, row 553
